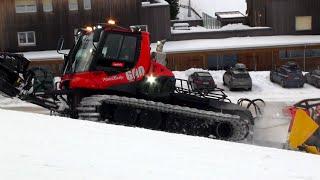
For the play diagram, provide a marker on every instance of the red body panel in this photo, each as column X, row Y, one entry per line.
column 101, row 80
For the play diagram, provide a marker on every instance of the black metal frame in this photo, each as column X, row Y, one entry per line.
column 217, row 93
column 307, row 103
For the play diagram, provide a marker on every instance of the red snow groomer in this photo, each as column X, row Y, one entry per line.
column 109, row 75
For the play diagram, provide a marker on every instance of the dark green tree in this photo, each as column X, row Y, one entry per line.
column 174, row 8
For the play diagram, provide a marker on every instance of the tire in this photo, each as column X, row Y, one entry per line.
column 283, row 84
column 317, row 84
column 271, row 79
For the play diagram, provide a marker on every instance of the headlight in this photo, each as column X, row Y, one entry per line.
column 151, row 79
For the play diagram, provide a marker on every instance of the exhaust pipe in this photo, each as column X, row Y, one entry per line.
column 223, row 130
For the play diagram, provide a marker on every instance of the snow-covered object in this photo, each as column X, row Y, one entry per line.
column 41, row 147
column 238, row 43
column 210, row 7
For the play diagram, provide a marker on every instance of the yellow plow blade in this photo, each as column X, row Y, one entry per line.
column 303, row 127
column 312, row 149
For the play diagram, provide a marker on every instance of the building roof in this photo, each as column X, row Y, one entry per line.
column 212, row 6
column 43, row 55
column 238, row 43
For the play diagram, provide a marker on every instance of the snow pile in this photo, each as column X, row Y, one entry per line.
column 43, row 147
column 262, row 88
column 238, row 26
column 210, row 7
column 6, row 102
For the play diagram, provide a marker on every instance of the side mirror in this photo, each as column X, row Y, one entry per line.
column 60, row 45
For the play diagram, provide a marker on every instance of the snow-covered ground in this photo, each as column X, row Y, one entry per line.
column 43, row 147
column 262, row 88
column 270, row 129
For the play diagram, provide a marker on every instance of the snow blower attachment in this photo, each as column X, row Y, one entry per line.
column 110, row 71
column 304, row 132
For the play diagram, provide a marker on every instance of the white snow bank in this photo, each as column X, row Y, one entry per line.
column 43, row 147
column 212, row 6
column 262, row 88
column 238, row 43
column 237, row 26
column 13, row 102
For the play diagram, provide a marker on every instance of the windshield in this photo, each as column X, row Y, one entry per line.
column 241, row 74
column 120, row 47
column 112, row 47
column 83, row 57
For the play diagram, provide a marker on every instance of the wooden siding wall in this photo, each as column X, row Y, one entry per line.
column 62, row 22
column 280, row 14
column 158, row 20
column 255, row 59
column 3, row 23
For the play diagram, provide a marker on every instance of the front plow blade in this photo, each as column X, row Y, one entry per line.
column 302, row 129
column 13, row 70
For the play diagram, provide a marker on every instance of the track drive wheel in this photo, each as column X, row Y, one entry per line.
column 283, row 84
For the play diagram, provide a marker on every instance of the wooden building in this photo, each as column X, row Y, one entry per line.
column 254, row 54
column 285, row 16
column 33, row 25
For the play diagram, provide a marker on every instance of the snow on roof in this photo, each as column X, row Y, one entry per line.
column 230, row 14
column 40, row 55
column 238, row 43
column 41, row 147
column 212, row 6
column 229, row 27
column 157, row 3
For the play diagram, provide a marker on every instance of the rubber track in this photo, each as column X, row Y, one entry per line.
column 88, row 110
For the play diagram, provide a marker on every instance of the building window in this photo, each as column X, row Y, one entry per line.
column 73, row 5
column 299, row 53
column 47, row 5
column 303, row 23
column 87, row 4
column 26, row 6
column 27, row 38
